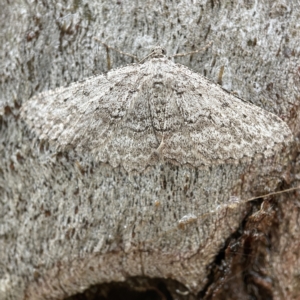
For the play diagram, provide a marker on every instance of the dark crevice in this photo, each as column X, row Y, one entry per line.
column 135, row 288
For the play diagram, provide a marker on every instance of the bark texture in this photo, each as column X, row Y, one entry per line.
column 46, row 247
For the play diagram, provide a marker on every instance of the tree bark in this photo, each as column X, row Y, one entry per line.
column 253, row 250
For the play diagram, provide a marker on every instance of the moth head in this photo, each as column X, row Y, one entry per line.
column 158, row 51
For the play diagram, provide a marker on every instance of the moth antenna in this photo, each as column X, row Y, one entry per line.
column 117, row 50
column 148, row 55
column 193, row 52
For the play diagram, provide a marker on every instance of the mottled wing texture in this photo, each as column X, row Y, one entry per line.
column 158, row 110
column 217, row 127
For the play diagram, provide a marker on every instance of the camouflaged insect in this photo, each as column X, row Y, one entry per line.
column 157, row 110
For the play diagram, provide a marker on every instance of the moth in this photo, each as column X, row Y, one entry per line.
column 156, row 110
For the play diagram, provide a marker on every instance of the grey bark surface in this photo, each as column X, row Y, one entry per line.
column 52, row 238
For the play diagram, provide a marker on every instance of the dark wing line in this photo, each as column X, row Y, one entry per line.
column 124, row 117
column 97, row 99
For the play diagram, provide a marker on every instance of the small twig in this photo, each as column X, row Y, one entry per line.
column 117, row 50
column 193, row 52
column 274, row 193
